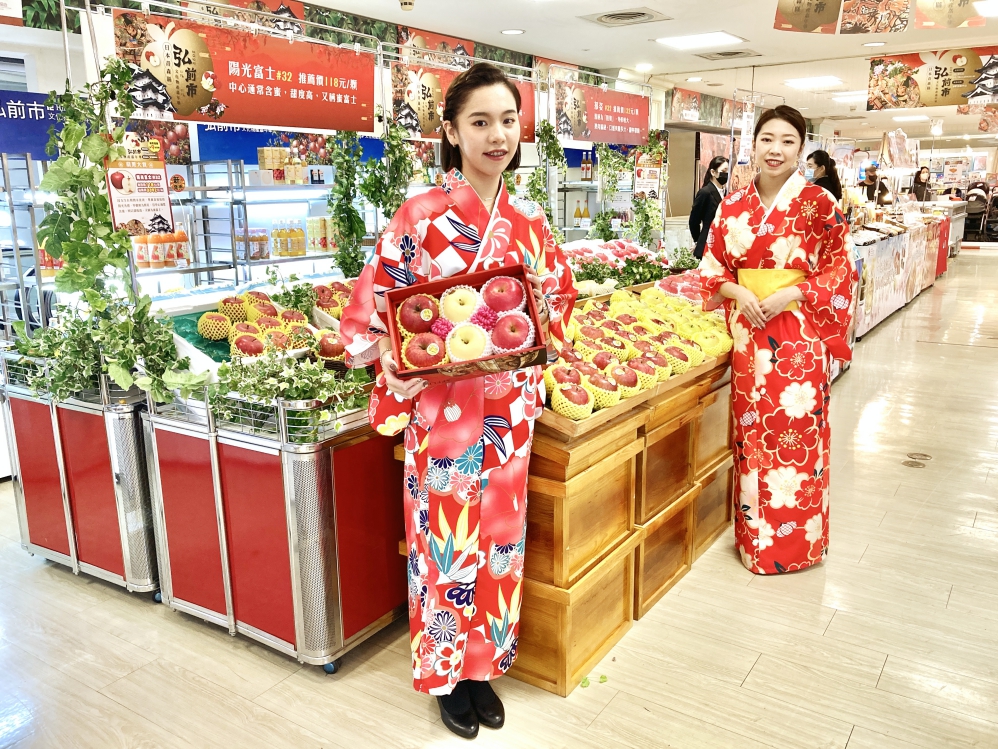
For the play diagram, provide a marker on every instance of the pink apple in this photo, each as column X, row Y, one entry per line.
column 511, row 332
column 643, row 346
column 604, row 359
column 265, row 309
column 655, row 358
column 591, row 332
column 418, row 313
column 642, row 365
column 566, row 374
column 595, row 314
column 503, row 294
column 259, row 295
column 425, row 350
column 570, row 355
column 601, row 382
column 626, row 319
column 586, row 369
column 677, row 353
column 575, row 394
column 624, row 376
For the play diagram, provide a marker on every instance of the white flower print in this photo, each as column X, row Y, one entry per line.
column 813, row 529
column 740, row 336
column 739, row 235
column 799, row 399
column 763, row 365
column 766, row 533
column 787, row 249
column 747, row 559
column 710, row 265
column 748, row 493
column 783, row 483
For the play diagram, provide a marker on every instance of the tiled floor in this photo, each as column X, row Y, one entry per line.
column 891, row 643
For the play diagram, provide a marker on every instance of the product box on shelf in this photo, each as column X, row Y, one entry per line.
column 505, row 360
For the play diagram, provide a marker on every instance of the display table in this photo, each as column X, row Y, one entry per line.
column 956, row 211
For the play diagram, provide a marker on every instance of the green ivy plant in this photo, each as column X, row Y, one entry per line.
column 349, row 224
column 610, row 163
column 71, row 353
column 591, row 269
column 601, row 227
column 386, row 180
column 640, row 270
column 658, row 145
column 684, row 259
column 549, row 148
column 647, row 220
column 300, row 296
column 509, row 181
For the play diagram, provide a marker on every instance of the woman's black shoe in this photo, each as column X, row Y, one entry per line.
column 457, row 713
column 488, row 706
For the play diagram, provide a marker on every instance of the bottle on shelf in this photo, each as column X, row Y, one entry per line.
column 587, row 167
column 183, row 248
column 278, row 236
column 578, row 214
column 299, row 240
column 585, row 212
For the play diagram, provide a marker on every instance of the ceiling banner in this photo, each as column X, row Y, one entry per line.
column 811, row 16
column 874, row 16
column 932, row 79
column 419, row 46
column 602, row 116
column 291, row 12
column 418, row 92
column 946, row 14
column 192, row 71
column 562, row 71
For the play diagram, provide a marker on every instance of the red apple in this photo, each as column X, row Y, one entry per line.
column 328, row 302
column 570, row 355
column 265, row 309
column 611, row 325
column 642, row 365
column 511, row 331
column 655, row 358
column 323, row 292
column 604, row 359
column 503, row 294
column 626, row 319
column 566, row 374
column 624, row 376
column 245, row 328
column 612, row 344
column 677, row 353
column 418, row 313
column 267, row 322
column 330, row 345
column 180, row 130
column 340, row 286
column 299, row 330
column 643, row 346
column 117, row 179
column 601, row 382
column 258, row 295
column 641, row 330
column 586, row 369
column 293, row 315
column 425, row 350
column 249, row 345
column 591, row 332
column 601, row 306
column 595, row 314
column 575, row 394
column 231, row 301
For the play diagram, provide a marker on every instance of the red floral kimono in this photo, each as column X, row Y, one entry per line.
column 467, row 443
column 780, row 374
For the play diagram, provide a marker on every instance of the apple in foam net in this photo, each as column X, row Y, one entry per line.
column 566, row 374
column 249, row 345
column 603, row 383
column 575, row 394
column 570, row 355
column 339, row 286
column 293, row 316
column 595, row 314
column 678, row 353
column 613, row 344
column 642, row 365
column 626, row 319
column 259, row 295
column 655, row 358
column 266, row 322
column 511, row 332
column 591, row 332
column 276, row 338
column 265, row 309
column 242, row 328
column 586, row 369
column 322, row 292
column 330, row 345
column 503, row 294
column 231, row 301
column 643, row 346
column 624, row 376
column 418, row 313
column 604, row 359
column 611, row 325
column 425, row 350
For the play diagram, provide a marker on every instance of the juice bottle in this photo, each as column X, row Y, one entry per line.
column 578, row 215
column 157, row 249
column 170, row 250
column 299, row 239
column 278, row 236
column 141, row 245
column 183, row 248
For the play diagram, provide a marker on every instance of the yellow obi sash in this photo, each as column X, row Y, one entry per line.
column 765, row 281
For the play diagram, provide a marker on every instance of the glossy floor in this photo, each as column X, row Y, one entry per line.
column 891, row 643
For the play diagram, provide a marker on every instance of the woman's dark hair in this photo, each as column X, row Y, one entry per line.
column 822, row 159
column 479, row 75
column 715, row 163
column 789, row 115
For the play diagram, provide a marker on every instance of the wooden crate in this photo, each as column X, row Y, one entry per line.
column 713, row 432
column 565, row 632
column 665, row 553
column 713, row 507
column 558, row 460
column 665, row 466
column 572, row 524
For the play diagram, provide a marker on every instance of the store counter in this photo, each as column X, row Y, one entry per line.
column 956, row 211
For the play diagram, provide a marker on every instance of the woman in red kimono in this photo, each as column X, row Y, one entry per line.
column 779, row 254
column 467, row 443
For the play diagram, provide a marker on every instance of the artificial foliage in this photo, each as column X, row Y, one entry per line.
column 684, row 259
column 640, row 270
column 591, row 269
column 73, row 360
column 610, row 163
column 386, row 180
column 349, row 227
column 549, row 148
column 601, row 227
column 509, row 181
column 299, row 296
column 647, row 220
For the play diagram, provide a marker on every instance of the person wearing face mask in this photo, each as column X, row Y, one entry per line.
column 875, row 188
column 779, row 259
column 920, row 186
column 821, row 171
column 706, row 202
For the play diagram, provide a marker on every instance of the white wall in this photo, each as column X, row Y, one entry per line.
column 44, row 58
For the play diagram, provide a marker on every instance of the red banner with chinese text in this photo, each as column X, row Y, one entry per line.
column 192, row 71
column 933, row 79
column 589, row 113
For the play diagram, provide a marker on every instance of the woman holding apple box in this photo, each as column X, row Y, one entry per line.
column 467, row 443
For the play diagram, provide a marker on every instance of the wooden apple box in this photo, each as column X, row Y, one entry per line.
column 528, row 357
column 665, row 553
column 713, row 507
column 564, row 633
column 665, row 466
column 714, row 428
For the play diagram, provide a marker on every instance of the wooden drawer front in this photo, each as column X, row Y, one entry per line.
column 565, row 632
column 571, row 525
column 673, row 405
column 713, row 507
column 714, row 430
column 665, row 553
column 665, row 467
column 555, row 459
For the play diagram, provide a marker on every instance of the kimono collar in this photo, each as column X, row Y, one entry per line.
column 467, row 201
column 790, row 190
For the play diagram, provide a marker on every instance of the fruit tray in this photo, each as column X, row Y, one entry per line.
column 505, row 361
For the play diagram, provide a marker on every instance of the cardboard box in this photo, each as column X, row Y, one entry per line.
column 528, row 357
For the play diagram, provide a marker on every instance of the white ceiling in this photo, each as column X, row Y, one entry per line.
column 556, row 29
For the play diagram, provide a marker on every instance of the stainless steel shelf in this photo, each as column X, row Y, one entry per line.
column 195, row 268
column 298, row 259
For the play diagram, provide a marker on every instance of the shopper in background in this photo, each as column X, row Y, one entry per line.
column 920, row 185
column 779, row 258
column 467, row 443
column 822, row 172
column 875, row 187
column 707, row 200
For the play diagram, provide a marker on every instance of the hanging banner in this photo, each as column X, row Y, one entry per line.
column 192, row 71
column 932, row 79
column 811, row 16
column 747, row 127
column 140, row 198
column 418, row 93
column 874, row 16
column 291, row 11
column 419, row 47
column 25, row 123
column 589, row 113
column 946, row 14
column 562, row 72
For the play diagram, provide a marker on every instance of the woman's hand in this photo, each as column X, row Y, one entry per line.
column 777, row 302
column 536, row 285
column 748, row 303
column 405, row 388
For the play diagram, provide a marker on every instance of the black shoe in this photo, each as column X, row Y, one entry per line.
column 457, row 713
column 488, row 706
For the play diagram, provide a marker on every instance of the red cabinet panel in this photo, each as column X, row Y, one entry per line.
column 191, row 519
column 259, row 554
column 91, row 489
column 39, row 475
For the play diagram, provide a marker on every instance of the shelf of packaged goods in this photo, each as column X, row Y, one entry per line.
column 195, row 268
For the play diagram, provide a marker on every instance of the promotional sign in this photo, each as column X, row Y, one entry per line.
column 648, row 176
column 931, row 79
column 946, row 14
column 747, row 125
column 25, row 123
column 874, row 16
column 589, row 113
column 10, row 12
column 291, row 12
column 140, row 199
column 419, row 46
column 194, row 71
column 562, row 71
column 813, row 16
column 692, row 106
column 418, row 93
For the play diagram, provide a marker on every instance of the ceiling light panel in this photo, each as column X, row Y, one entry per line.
column 700, row 41
column 814, row 84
